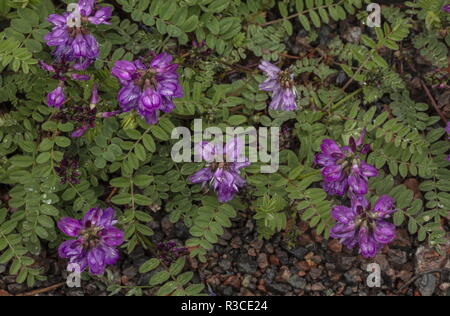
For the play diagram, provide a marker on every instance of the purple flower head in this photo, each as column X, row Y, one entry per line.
column 56, row 98
column 223, row 175
column 446, row 8
column 361, row 225
column 83, row 117
column 281, row 84
column 68, row 171
column 75, row 43
column 343, row 169
column 148, row 87
column 96, row 240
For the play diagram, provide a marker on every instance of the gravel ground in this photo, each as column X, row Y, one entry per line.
column 242, row 265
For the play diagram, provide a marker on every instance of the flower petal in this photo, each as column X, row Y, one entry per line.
column 112, row 236
column 269, row 68
column 204, row 175
column 92, row 217
column 343, row 214
column 96, row 261
column 358, row 184
column 112, row 255
column 332, row 173
column 384, row 232
column 368, row 170
column 70, row 248
column 330, row 147
column 384, row 206
column 69, row 226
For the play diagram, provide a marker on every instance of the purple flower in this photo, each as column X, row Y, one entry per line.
column 343, row 169
column 76, row 44
column 56, row 98
column 102, row 16
column 79, row 131
column 150, row 88
column 96, row 240
column 82, row 117
column 223, row 175
column 281, row 84
column 68, row 171
column 361, row 225
column 446, row 8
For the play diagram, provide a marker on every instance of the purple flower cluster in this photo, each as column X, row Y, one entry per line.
column 361, row 225
column 68, row 171
column 75, row 43
column 343, row 169
column 96, row 240
column 222, row 174
column 281, row 84
column 169, row 252
column 83, row 117
column 148, row 87
column 446, row 8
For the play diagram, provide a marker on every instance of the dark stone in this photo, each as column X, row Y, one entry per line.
column 75, row 293
column 16, row 288
column 227, row 291
column 297, row 282
column 346, row 263
column 427, row 284
column 298, row 252
column 354, row 276
column 278, row 288
column 348, row 291
column 270, row 274
column 247, row 264
column 225, row 264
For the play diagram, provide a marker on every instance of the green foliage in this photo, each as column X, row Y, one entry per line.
column 209, row 222
column 432, row 48
column 317, row 12
column 169, row 281
column 269, row 216
column 14, row 56
column 430, row 11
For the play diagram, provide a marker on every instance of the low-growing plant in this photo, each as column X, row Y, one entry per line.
column 90, row 99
